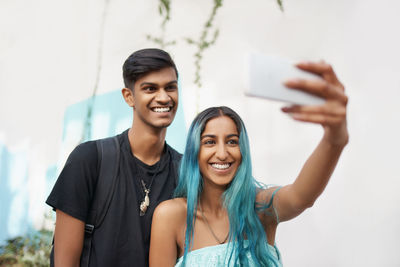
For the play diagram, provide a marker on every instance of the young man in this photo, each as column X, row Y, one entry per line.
column 146, row 172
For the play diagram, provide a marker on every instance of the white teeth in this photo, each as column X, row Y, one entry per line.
column 220, row 166
column 161, row 109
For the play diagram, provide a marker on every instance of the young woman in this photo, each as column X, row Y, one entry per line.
column 221, row 216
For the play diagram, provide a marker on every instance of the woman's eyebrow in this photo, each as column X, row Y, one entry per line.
column 207, row 135
column 213, row 136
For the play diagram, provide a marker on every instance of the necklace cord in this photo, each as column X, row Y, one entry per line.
column 146, row 191
column 209, row 227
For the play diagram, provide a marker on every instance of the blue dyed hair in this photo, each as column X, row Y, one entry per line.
column 239, row 198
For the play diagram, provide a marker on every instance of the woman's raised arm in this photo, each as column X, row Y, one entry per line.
column 293, row 199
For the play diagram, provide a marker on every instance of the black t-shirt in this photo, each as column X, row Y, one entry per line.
column 123, row 238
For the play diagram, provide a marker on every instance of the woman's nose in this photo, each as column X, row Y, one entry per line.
column 221, row 152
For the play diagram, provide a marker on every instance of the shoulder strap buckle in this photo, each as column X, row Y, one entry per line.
column 89, row 228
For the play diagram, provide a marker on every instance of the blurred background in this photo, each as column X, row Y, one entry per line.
column 56, row 55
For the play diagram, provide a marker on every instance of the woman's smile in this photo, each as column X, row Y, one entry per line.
column 219, row 155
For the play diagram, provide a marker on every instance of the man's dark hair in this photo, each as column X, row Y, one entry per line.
column 144, row 61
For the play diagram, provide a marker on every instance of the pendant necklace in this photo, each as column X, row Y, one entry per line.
column 211, row 230
column 146, row 200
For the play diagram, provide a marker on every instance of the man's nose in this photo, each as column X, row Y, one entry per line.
column 162, row 96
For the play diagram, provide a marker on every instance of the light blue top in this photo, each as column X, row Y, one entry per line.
column 215, row 256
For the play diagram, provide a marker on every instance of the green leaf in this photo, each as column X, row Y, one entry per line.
column 280, row 4
column 190, row 41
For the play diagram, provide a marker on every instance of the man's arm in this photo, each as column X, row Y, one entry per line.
column 68, row 240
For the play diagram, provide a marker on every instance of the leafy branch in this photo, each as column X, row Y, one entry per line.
column 164, row 9
column 86, row 134
column 280, row 4
column 202, row 44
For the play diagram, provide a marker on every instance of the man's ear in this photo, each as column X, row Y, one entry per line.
column 128, row 96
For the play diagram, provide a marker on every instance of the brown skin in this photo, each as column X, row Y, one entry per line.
column 219, row 144
column 169, row 219
column 68, row 240
column 319, row 167
column 157, row 89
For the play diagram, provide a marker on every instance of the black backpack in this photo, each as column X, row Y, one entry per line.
column 108, row 153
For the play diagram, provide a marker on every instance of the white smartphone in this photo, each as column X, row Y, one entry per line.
column 266, row 74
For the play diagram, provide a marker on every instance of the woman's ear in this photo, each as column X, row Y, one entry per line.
column 128, row 96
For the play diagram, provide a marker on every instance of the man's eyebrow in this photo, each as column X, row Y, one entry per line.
column 155, row 84
column 174, row 81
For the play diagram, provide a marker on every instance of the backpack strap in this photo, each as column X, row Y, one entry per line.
column 176, row 158
column 108, row 150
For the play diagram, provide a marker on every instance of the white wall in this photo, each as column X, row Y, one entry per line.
column 48, row 59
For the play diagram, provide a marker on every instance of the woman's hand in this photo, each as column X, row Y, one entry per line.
column 293, row 199
column 332, row 114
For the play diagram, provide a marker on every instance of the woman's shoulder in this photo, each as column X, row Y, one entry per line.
column 266, row 193
column 266, row 207
column 172, row 209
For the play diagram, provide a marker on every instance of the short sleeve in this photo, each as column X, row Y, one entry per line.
column 73, row 190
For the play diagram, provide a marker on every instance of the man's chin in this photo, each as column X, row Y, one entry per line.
column 162, row 125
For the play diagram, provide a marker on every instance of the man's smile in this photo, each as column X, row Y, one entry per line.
column 161, row 109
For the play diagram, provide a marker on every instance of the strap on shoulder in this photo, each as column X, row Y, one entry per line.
column 273, row 206
column 271, row 200
column 176, row 158
column 108, row 150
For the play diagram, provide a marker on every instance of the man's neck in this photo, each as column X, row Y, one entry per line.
column 147, row 144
